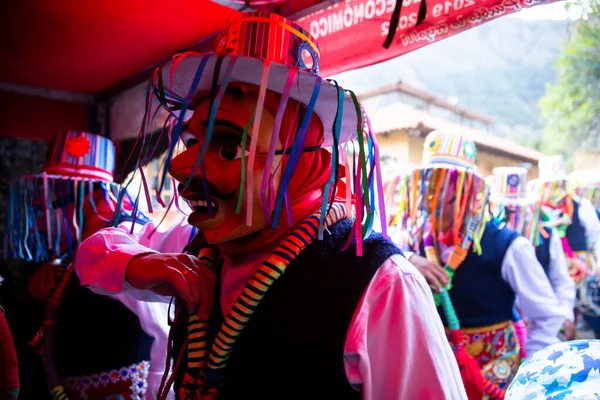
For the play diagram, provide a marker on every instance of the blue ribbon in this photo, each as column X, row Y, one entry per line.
column 177, row 129
column 296, row 151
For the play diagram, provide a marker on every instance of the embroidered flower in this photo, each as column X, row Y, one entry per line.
column 469, row 150
column 78, row 146
column 513, row 180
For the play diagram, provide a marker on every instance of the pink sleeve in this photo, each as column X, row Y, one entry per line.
column 102, row 259
column 396, row 347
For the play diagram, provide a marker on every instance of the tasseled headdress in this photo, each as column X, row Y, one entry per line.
column 48, row 208
column 511, row 203
column 276, row 55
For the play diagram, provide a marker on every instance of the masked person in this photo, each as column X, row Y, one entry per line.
column 574, row 218
column 444, row 212
column 586, row 185
column 521, row 211
column 577, row 224
column 93, row 346
column 293, row 316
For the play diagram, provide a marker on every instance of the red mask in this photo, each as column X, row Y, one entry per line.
column 223, row 169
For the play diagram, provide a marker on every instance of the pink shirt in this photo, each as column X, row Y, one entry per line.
column 395, row 347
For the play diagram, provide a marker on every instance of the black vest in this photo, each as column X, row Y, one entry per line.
column 479, row 294
column 542, row 251
column 95, row 333
column 293, row 345
column 575, row 232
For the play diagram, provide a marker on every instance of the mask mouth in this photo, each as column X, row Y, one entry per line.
column 197, row 200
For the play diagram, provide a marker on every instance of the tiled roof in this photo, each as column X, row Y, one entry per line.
column 421, row 94
column 399, row 116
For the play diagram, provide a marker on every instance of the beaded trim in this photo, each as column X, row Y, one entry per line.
column 487, row 328
column 137, row 373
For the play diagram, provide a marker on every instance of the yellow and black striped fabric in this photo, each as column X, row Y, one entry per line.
column 267, row 273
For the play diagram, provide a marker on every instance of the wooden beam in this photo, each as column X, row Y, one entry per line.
column 70, row 97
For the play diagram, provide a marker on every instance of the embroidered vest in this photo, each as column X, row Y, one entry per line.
column 542, row 251
column 293, row 345
column 479, row 294
column 576, row 232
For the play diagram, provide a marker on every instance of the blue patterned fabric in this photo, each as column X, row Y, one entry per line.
column 562, row 371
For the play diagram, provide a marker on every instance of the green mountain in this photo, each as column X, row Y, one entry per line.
column 498, row 69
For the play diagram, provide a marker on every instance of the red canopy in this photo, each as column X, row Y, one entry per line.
column 96, row 47
column 351, row 33
column 89, row 46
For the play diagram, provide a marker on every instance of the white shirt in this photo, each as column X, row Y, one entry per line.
column 395, row 347
column 589, row 221
column 153, row 320
column 535, row 297
column 153, row 316
column 560, row 280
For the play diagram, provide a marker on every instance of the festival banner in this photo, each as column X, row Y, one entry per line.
column 351, row 33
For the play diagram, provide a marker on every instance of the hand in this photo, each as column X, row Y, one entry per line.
column 434, row 274
column 581, row 267
column 569, row 329
column 43, row 281
column 179, row 275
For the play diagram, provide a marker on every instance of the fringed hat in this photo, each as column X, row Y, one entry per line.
column 451, row 150
column 552, row 168
column 77, row 164
column 552, row 182
column 82, row 155
column 395, row 193
column 586, row 185
column 268, row 51
column 511, row 202
column 445, row 189
column 274, row 54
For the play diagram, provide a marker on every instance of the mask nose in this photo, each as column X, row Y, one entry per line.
column 182, row 165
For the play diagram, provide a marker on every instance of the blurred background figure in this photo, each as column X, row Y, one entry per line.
column 512, row 205
column 474, row 265
column 92, row 345
column 576, row 222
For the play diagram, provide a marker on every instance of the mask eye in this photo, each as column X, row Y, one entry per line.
column 230, row 152
column 188, row 139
